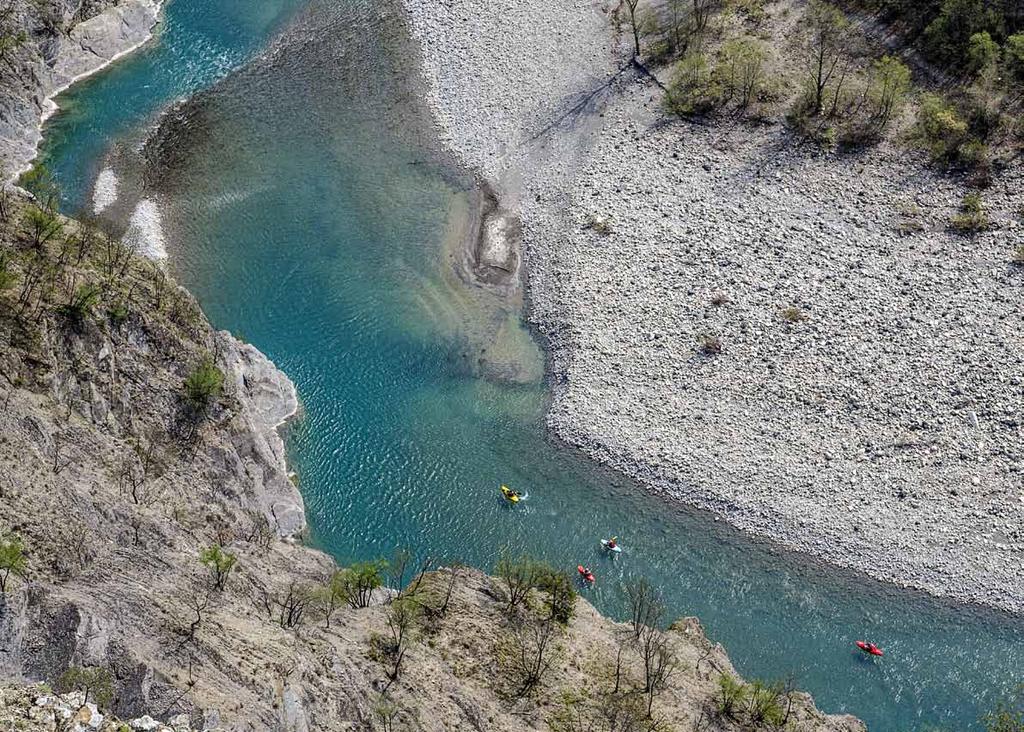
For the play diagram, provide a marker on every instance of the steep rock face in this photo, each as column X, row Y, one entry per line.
column 64, row 40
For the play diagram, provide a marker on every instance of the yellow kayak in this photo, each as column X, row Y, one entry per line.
column 510, row 495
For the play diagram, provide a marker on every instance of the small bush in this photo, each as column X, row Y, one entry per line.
column 693, row 89
column 1018, row 256
column 719, row 299
column 96, row 683
column 741, row 69
column 600, row 224
column 765, row 704
column 219, row 562
column 8, row 277
column 204, row 385
column 80, row 306
column 982, row 52
column 793, row 314
column 972, row 217
column 731, row 696
column 559, row 593
column 940, row 130
column 1013, row 57
column 710, row 344
column 12, row 559
column 887, row 90
column 355, row 584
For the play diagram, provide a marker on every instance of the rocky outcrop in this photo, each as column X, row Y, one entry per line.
column 37, row 709
column 65, row 42
column 268, row 400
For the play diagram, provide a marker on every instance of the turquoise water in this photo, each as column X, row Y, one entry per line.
column 304, row 214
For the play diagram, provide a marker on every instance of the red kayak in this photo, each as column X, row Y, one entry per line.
column 870, row 648
column 585, row 573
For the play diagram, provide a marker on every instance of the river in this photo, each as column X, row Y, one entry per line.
column 306, row 210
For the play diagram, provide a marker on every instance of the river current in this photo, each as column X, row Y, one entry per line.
column 304, row 205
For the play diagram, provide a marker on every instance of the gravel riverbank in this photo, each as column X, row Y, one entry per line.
column 866, row 403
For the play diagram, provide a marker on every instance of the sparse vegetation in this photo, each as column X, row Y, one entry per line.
column 13, row 561
column 81, row 305
column 219, row 562
column 710, row 344
column 203, row 386
column 94, row 682
column 792, row 314
column 732, row 696
column 972, row 217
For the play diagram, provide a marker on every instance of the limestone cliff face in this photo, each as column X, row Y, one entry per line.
column 63, row 40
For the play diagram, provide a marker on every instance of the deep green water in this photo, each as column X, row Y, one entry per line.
column 303, row 216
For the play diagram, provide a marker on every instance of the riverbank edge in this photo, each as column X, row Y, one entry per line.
column 759, row 525
column 136, row 31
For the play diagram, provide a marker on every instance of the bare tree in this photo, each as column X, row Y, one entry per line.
column 634, row 22
column 519, row 575
column 59, row 463
column 286, row 607
column 403, row 614
column 659, row 661
column 646, row 606
column 827, row 50
column 453, row 573
column 259, row 533
column 532, row 652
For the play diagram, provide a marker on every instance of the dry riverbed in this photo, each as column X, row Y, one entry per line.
column 867, row 402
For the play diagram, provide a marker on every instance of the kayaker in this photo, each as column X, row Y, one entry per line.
column 612, row 543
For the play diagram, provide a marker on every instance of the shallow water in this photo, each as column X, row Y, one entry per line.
column 306, row 215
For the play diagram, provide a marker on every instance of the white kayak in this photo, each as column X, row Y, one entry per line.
column 609, row 547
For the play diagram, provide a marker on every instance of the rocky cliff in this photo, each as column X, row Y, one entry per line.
column 48, row 45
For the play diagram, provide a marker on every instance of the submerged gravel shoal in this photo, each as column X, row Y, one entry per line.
column 867, row 405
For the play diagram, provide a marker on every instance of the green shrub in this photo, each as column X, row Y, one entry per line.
column 559, row 593
column 96, row 683
column 940, row 130
column 12, row 559
column 982, row 52
column 740, row 71
column 765, row 704
column 1013, row 57
column 693, row 89
column 731, row 697
column 219, row 562
column 355, row 584
column 80, row 306
column 7, row 276
column 972, row 217
column 118, row 314
column 887, row 89
column 204, row 385
column 948, row 36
